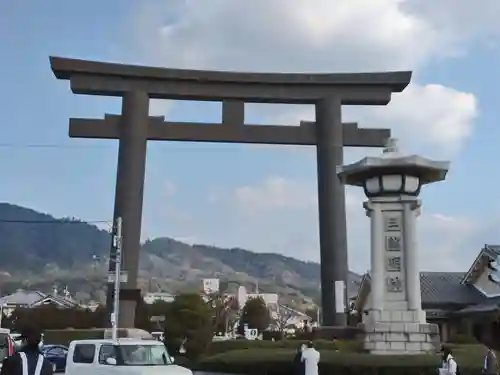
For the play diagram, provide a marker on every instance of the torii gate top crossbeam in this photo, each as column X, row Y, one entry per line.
column 111, row 79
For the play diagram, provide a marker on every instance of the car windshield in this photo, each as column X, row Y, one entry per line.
column 144, row 355
column 53, row 349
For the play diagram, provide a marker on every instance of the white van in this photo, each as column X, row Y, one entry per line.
column 134, row 333
column 125, row 356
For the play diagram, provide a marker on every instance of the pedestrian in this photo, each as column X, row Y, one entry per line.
column 310, row 357
column 298, row 364
column 335, row 344
column 28, row 360
column 449, row 365
column 490, row 366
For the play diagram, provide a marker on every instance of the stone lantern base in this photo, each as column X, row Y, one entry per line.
column 399, row 333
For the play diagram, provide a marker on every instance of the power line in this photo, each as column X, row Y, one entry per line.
column 48, row 145
column 62, row 222
column 61, row 146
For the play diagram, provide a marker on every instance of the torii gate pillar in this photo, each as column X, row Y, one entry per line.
column 332, row 212
column 129, row 192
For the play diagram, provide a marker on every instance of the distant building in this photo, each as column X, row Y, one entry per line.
column 290, row 317
column 270, row 299
column 211, row 286
column 32, row 299
column 153, row 297
column 92, row 305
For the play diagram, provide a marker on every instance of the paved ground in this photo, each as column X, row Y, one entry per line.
column 196, row 373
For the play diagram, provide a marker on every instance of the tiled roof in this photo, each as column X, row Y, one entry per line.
column 494, row 248
column 63, row 301
column 446, row 288
column 31, row 298
column 22, row 297
column 293, row 311
column 488, row 251
column 489, row 306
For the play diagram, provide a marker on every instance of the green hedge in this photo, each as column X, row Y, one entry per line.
column 65, row 336
column 261, row 357
column 279, row 362
column 217, row 347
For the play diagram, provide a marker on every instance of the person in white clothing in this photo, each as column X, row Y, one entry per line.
column 490, row 366
column 310, row 357
column 449, row 366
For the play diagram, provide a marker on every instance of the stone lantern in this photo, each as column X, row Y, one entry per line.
column 396, row 323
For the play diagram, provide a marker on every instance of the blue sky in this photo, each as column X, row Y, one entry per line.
column 261, row 198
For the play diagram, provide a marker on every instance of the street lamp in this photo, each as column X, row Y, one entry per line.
column 117, row 244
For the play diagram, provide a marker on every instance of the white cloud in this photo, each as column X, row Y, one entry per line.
column 461, row 21
column 324, row 35
column 169, row 189
column 319, row 35
column 429, row 119
column 328, row 36
column 446, row 242
column 274, row 193
column 428, row 116
column 158, row 107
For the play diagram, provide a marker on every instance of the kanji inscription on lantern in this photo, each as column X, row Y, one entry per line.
column 393, row 243
column 392, row 224
column 394, row 264
column 394, row 284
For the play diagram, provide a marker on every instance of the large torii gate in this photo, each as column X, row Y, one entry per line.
column 328, row 92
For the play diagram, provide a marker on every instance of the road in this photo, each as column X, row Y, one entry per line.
column 195, row 372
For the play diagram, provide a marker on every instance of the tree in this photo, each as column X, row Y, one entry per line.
column 52, row 317
column 256, row 314
column 312, row 313
column 188, row 321
column 224, row 311
column 281, row 319
column 157, row 311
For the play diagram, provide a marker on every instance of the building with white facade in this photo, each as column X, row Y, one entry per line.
column 153, row 297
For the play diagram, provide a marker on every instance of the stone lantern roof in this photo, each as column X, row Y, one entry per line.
column 391, row 162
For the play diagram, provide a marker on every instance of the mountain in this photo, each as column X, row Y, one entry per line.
column 38, row 250
column 42, row 239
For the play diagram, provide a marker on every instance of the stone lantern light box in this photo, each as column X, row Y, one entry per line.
column 395, row 323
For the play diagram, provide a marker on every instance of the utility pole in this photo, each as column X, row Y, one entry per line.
column 117, row 244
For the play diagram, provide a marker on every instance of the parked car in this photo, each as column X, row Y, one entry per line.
column 56, row 354
column 6, row 344
column 16, row 340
